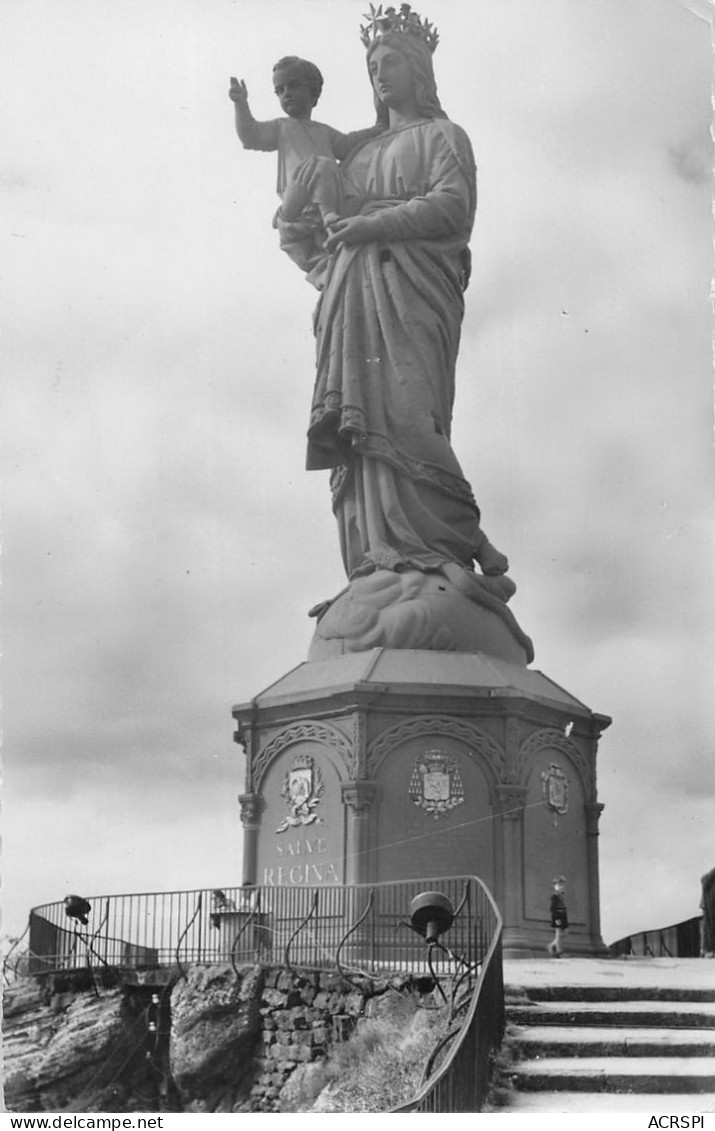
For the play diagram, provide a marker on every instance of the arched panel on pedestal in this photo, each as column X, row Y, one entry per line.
column 301, row 841
column 436, row 780
column 310, row 730
column 555, row 828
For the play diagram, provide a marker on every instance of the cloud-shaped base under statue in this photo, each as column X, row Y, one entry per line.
column 454, row 611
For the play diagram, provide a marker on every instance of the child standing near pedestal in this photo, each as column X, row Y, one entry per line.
column 559, row 917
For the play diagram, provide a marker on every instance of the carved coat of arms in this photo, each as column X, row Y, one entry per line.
column 555, row 789
column 435, row 785
column 302, row 791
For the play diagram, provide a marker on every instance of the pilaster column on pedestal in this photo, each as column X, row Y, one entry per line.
column 359, row 754
column 593, row 812
column 511, row 800
column 512, row 743
column 250, row 804
column 246, row 736
column 593, row 816
column 357, row 797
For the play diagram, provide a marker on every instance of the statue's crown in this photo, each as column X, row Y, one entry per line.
column 404, row 20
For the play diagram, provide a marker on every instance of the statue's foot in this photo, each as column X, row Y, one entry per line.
column 321, row 608
column 363, row 570
column 490, row 560
column 500, row 586
column 381, row 557
column 475, row 585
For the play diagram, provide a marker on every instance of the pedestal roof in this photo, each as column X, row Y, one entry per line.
column 427, row 673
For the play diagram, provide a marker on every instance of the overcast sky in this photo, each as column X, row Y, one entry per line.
column 162, row 541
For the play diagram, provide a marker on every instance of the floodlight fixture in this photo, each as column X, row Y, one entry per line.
column 431, row 914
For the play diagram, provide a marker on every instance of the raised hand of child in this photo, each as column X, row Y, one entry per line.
column 238, row 92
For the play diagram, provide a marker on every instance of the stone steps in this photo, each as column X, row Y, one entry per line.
column 603, row 1036
column 547, row 1040
column 651, row 1014
column 621, row 993
column 535, row 1103
column 656, row 1074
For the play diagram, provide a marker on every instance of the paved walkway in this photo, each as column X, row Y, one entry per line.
column 648, row 973
column 594, row 1103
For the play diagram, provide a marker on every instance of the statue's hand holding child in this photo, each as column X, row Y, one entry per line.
column 352, row 230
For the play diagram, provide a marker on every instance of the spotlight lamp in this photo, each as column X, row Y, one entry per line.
column 431, row 914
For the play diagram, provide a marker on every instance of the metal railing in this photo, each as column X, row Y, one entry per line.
column 460, row 1083
column 363, row 927
column 680, row 940
column 360, row 929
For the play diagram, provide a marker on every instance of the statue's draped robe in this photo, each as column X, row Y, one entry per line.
column 387, row 328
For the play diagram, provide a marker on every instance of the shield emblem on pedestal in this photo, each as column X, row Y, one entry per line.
column 435, row 784
column 302, row 790
column 300, row 785
column 555, row 789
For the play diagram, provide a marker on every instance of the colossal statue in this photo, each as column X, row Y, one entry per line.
column 392, row 275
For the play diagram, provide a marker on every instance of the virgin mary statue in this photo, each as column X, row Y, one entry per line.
column 387, row 330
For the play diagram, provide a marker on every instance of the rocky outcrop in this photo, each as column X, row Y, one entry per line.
column 218, row 1040
column 76, row 1051
column 215, row 1024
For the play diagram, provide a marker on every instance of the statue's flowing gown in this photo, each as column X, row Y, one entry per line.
column 387, row 328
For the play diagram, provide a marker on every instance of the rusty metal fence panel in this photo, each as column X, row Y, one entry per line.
column 681, row 940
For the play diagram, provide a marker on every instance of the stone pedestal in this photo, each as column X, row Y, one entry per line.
column 399, row 763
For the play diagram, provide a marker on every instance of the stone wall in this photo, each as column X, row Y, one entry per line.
column 301, row 1018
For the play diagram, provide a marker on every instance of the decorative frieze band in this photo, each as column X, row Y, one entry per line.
column 437, row 726
column 549, row 739
column 308, row 731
